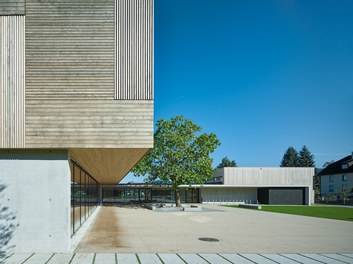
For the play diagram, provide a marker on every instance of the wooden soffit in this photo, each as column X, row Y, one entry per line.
column 107, row 166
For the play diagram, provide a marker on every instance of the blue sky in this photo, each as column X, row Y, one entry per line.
column 261, row 75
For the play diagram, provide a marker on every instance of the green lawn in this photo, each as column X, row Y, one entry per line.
column 331, row 212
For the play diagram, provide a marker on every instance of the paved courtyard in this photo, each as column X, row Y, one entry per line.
column 138, row 230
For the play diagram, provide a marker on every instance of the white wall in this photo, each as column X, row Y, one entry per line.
column 37, row 193
column 228, row 195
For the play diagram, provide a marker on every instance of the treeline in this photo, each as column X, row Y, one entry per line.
column 292, row 158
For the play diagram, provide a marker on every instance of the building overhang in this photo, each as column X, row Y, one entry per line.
column 107, row 166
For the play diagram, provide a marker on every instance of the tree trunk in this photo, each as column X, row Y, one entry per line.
column 177, row 198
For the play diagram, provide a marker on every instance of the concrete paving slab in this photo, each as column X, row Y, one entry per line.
column 149, row 259
column 61, row 259
column 171, row 259
column 339, row 257
column 323, row 259
column 83, row 258
column 301, row 259
column 127, row 258
column 193, row 258
column 236, row 258
column 214, row 258
column 17, row 258
column 105, row 258
column 257, row 258
column 279, row 259
column 39, row 258
column 348, row 255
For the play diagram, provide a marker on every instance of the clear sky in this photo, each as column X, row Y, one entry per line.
column 261, row 75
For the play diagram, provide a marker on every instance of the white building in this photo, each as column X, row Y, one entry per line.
column 235, row 185
column 337, row 177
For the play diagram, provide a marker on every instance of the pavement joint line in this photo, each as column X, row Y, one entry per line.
column 160, row 258
column 247, row 258
column 269, row 258
column 181, row 258
column 342, row 254
column 138, row 258
column 49, row 258
column 280, row 254
column 203, row 258
column 301, row 254
column 27, row 258
column 321, row 254
column 225, row 258
column 73, row 255
column 94, row 258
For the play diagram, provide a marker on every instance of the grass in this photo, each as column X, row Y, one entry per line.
column 330, row 212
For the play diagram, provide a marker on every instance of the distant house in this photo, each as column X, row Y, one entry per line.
column 337, row 177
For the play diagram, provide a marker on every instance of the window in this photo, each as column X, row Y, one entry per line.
column 344, row 187
column 344, row 178
column 331, row 188
column 331, row 178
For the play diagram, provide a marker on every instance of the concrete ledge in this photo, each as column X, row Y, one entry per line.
column 251, row 206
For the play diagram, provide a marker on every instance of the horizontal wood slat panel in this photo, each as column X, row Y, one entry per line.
column 70, row 49
column 12, row 81
column 12, row 7
column 89, row 123
column 134, row 49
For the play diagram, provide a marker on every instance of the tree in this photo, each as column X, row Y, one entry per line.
column 290, row 158
column 227, row 163
column 305, row 158
column 180, row 155
column 328, row 163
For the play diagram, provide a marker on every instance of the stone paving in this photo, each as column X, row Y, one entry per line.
column 148, row 258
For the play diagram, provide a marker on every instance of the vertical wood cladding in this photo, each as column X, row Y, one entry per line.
column 12, row 85
column 12, row 7
column 134, row 49
column 70, row 49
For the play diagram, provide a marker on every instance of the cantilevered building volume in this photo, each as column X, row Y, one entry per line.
column 76, row 110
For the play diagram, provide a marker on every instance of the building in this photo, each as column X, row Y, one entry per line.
column 76, row 110
column 232, row 185
column 337, row 177
column 266, row 185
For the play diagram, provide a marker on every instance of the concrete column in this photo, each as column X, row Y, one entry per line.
column 36, row 192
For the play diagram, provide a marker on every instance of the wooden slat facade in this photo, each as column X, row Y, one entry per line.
column 89, row 124
column 70, row 49
column 12, row 7
column 134, row 50
column 12, row 82
column 78, row 74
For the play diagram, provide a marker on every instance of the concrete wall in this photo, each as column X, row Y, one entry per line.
column 228, row 195
column 37, row 193
column 337, row 183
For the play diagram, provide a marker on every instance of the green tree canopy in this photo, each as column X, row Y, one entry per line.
column 290, row 158
column 180, row 154
column 227, row 163
column 305, row 158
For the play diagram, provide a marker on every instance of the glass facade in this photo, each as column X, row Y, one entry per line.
column 84, row 196
column 125, row 194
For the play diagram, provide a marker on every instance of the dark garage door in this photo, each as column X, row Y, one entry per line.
column 290, row 196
